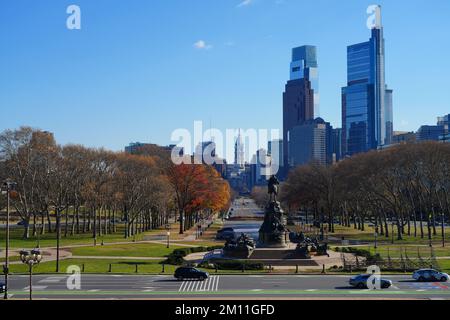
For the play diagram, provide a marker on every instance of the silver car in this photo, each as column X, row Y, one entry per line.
column 430, row 275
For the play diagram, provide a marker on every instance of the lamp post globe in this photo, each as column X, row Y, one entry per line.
column 31, row 258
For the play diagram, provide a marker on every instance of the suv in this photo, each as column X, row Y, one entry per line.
column 190, row 273
column 2, row 287
column 430, row 275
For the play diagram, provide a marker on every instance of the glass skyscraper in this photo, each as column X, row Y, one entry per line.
column 367, row 118
column 301, row 95
column 304, row 66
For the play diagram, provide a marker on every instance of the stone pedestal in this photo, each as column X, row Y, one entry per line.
column 273, row 232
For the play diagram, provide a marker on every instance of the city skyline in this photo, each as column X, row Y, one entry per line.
column 82, row 77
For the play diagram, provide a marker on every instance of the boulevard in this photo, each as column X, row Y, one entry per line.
column 221, row 286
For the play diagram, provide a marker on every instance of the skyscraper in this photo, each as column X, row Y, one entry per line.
column 336, row 144
column 311, row 142
column 367, row 118
column 239, row 152
column 275, row 150
column 301, row 96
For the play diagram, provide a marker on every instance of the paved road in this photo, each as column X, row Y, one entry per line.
column 219, row 286
column 246, row 218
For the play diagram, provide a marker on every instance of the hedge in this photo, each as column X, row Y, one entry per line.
column 177, row 256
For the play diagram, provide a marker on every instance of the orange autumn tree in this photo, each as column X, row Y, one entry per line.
column 197, row 187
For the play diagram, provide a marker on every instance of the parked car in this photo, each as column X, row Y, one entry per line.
column 360, row 282
column 2, row 287
column 190, row 273
column 430, row 275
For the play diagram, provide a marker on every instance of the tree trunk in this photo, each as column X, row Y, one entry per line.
column 181, row 222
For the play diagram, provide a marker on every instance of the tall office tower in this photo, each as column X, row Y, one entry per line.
column 275, row 150
column 301, row 96
column 311, row 141
column 389, row 116
column 239, row 152
column 367, row 118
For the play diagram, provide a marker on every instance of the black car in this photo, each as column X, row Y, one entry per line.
column 360, row 282
column 2, row 287
column 190, row 273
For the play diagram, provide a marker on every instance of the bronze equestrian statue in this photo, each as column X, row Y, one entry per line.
column 273, row 188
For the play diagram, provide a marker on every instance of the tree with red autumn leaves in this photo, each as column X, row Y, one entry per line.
column 197, row 188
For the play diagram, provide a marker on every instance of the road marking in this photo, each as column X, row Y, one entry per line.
column 217, row 284
column 209, row 285
column 52, row 280
column 35, row 288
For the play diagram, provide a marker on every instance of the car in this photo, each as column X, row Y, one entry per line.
column 360, row 282
column 424, row 275
column 189, row 273
column 2, row 287
column 22, row 223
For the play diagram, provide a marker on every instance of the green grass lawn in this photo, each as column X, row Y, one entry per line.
column 444, row 265
column 49, row 239
column 101, row 266
column 368, row 235
column 97, row 266
column 412, row 251
column 126, row 250
column 11, row 258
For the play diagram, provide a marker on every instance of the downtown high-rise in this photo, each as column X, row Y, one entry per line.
column 367, row 112
column 301, row 95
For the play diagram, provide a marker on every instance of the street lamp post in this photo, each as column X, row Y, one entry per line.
column 31, row 258
column 7, row 187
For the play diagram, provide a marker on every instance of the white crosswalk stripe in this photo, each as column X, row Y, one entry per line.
column 52, row 280
column 36, row 288
column 209, row 285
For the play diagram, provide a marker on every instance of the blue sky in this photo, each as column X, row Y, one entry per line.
column 134, row 73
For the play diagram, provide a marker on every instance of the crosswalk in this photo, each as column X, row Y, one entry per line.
column 209, row 285
column 50, row 280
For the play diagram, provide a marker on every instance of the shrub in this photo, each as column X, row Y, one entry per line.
column 238, row 265
column 361, row 253
column 177, row 256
